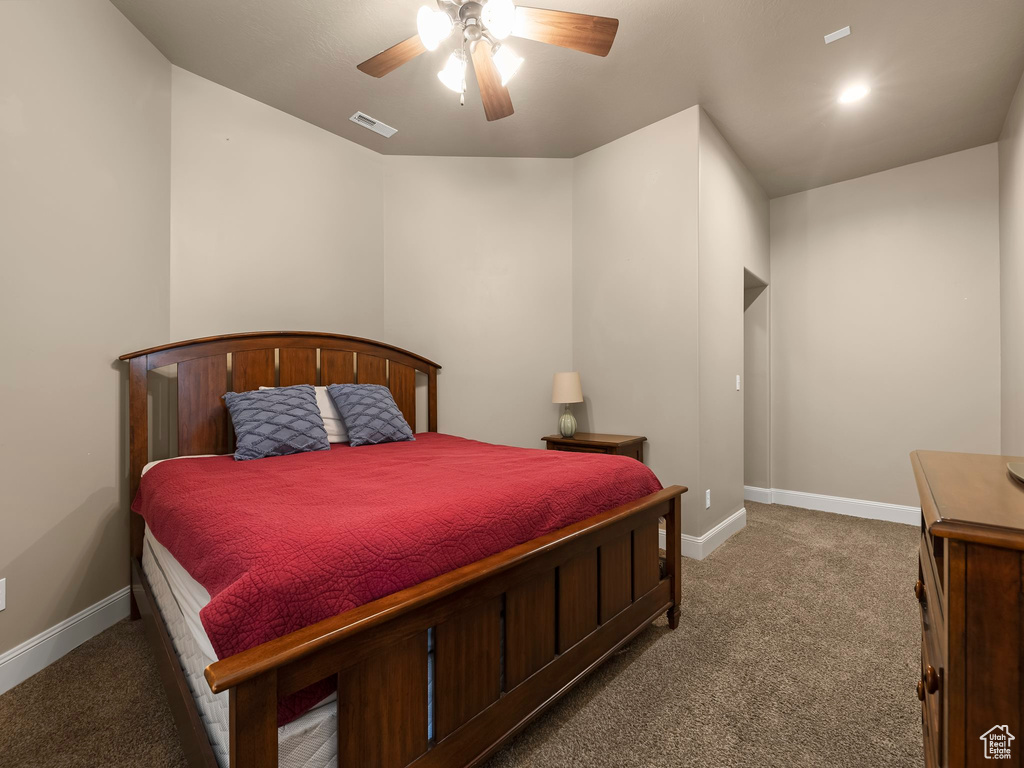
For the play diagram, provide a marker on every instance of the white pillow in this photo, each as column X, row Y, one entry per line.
column 329, row 413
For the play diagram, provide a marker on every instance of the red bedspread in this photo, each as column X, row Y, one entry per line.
column 284, row 542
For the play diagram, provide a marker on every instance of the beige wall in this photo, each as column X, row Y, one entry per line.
column 479, row 278
column 634, row 296
column 885, row 326
column 278, row 224
column 1011, row 243
column 664, row 222
column 275, row 224
column 756, row 388
column 84, row 201
column 733, row 236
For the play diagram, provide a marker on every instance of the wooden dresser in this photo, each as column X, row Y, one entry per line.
column 970, row 586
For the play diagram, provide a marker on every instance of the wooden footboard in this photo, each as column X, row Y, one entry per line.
column 569, row 600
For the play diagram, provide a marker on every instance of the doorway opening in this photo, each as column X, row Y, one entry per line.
column 756, row 392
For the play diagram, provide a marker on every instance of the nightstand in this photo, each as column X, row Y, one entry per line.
column 594, row 442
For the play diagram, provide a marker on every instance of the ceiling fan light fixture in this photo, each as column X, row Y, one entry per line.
column 454, row 73
column 499, row 16
column 507, row 62
column 433, row 27
column 482, row 26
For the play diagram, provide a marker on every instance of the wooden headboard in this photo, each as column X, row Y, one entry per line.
column 209, row 367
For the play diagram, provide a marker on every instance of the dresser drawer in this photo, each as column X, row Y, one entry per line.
column 930, row 693
column 933, row 550
column 930, row 597
column 933, row 660
column 581, row 449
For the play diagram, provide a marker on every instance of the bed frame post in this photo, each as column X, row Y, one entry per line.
column 253, row 722
column 673, row 558
column 138, row 454
column 432, row 398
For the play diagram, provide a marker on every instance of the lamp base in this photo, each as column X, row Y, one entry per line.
column 567, row 423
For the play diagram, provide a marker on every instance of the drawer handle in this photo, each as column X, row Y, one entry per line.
column 919, row 591
column 920, row 690
column 931, row 679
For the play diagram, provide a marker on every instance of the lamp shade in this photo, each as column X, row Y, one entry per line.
column 567, row 388
column 454, row 73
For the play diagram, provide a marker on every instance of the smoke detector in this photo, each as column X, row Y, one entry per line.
column 363, row 119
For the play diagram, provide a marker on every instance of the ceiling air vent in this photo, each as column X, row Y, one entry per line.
column 839, row 34
column 374, row 125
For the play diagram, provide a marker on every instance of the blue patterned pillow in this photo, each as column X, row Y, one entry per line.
column 370, row 414
column 276, row 422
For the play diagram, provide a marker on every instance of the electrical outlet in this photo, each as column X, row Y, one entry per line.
column 3, row 594
column 707, row 499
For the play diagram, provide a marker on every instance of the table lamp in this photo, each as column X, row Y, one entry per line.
column 567, row 390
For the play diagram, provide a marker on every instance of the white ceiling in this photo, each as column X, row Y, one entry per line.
column 943, row 73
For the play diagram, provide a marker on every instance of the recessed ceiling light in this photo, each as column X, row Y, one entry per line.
column 854, row 93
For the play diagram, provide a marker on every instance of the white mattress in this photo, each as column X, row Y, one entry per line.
column 188, row 593
column 152, row 464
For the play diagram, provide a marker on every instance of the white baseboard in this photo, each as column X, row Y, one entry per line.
column 699, row 547
column 23, row 661
column 761, row 495
column 872, row 510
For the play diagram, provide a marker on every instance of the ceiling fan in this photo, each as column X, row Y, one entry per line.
column 483, row 26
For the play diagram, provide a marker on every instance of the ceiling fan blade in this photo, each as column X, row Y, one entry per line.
column 494, row 95
column 393, row 57
column 578, row 31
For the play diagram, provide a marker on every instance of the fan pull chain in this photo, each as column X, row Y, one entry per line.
column 462, row 96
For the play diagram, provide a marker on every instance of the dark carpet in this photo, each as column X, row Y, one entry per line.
column 798, row 646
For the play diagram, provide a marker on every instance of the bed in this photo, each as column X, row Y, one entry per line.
column 434, row 661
